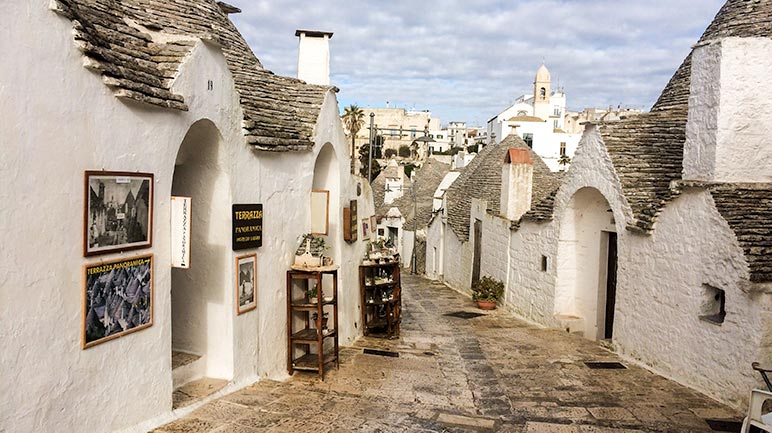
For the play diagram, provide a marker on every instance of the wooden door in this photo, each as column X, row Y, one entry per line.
column 477, row 249
column 611, row 285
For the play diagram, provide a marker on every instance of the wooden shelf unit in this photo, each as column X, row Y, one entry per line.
column 300, row 309
column 380, row 292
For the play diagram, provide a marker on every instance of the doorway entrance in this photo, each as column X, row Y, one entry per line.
column 609, row 301
column 477, row 251
column 201, row 302
column 585, row 290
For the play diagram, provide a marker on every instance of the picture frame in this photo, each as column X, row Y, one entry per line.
column 320, row 211
column 117, row 299
column 118, row 212
column 246, row 283
column 365, row 227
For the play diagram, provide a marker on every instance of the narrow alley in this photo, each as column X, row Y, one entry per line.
column 457, row 369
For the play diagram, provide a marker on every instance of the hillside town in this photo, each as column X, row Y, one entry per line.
column 231, row 249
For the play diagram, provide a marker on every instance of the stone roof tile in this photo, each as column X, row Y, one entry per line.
column 647, row 154
column 481, row 179
column 647, row 150
column 138, row 45
column 747, row 208
column 426, row 181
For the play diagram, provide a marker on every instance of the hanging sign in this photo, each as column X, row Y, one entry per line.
column 350, row 228
column 247, row 226
column 181, row 232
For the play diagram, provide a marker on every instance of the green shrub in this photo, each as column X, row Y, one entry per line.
column 487, row 289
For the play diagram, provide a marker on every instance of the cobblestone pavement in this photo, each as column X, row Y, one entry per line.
column 491, row 373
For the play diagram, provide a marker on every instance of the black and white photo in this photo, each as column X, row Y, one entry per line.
column 246, row 283
column 119, row 211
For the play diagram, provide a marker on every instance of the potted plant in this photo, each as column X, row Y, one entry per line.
column 321, row 324
column 486, row 292
column 312, row 295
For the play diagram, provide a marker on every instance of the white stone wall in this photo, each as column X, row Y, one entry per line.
column 494, row 252
column 59, row 120
column 660, row 293
column 457, row 265
column 730, row 112
column 434, row 249
column 406, row 251
column 530, row 292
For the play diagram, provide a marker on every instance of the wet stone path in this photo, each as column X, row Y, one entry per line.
column 491, row 373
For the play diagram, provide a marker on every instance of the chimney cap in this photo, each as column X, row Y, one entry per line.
column 313, row 33
column 518, row 156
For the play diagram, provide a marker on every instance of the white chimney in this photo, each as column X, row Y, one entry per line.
column 516, row 183
column 730, row 112
column 314, row 56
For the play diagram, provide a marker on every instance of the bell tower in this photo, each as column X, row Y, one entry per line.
column 541, row 93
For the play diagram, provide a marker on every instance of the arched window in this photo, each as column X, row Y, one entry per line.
column 522, row 113
column 543, row 93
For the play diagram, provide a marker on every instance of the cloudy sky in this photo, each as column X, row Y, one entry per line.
column 469, row 59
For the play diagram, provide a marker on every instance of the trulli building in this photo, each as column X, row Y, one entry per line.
column 658, row 239
column 169, row 89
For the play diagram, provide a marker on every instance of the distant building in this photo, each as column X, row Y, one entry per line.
column 574, row 121
column 458, row 134
column 404, row 213
column 397, row 126
column 539, row 120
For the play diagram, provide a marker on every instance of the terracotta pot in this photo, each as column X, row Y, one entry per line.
column 486, row 305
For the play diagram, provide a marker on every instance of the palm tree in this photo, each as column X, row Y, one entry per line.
column 353, row 118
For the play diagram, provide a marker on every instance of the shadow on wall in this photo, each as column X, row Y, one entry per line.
column 201, row 296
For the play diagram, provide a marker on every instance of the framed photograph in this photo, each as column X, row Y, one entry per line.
column 119, row 212
column 320, row 211
column 117, row 298
column 373, row 227
column 246, row 283
column 365, row 227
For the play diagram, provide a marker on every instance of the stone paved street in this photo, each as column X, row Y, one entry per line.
column 489, row 374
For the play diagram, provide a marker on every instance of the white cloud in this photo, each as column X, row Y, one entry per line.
column 466, row 60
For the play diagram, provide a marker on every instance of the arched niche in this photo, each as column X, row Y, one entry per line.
column 327, row 178
column 201, row 296
column 585, row 290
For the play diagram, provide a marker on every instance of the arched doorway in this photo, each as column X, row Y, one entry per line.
column 585, row 291
column 201, row 302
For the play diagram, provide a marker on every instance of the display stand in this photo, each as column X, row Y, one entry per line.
column 306, row 337
column 381, row 296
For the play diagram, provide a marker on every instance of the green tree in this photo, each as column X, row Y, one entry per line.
column 364, row 157
column 388, row 153
column 353, row 118
column 404, row 151
column 409, row 167
column 564, row 161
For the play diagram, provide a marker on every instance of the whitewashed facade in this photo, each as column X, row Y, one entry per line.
column 663, row 207
column 60, row 119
